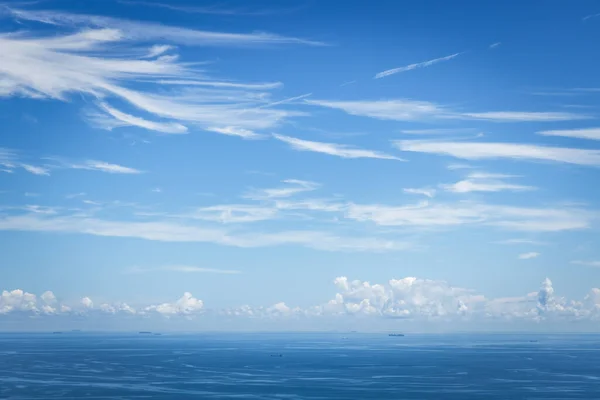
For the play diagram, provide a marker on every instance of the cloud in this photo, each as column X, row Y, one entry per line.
column 130, row 120
column 35, row 169
column 439, row 131
column 293, row 187
column 491, row 150
column 183, row 269
column 132, row 30
column 395, row 110
column 494, row 45
column 233, row 213
column 169, row 231
column 587, row 263
column 484, row 182
column 590, row 16
column 334, row 149
column 102, row 166
column 186, row 305
column 425, row 192
column 415, row 66
column 586, row 133
column 408, row 299
column 414, row 110
column 446, row 215
column 233, row 131
column 522, row 241
column 528, row 256
column 520, row 116
column 107, row 60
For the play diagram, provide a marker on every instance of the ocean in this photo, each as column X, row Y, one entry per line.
column 298, row 366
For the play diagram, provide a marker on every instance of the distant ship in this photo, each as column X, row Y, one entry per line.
column 145, row 333
column 276, row 355
column 396, row 334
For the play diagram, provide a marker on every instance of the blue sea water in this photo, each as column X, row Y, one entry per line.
column 312, row 366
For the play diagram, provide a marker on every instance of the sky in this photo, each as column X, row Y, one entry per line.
column 408, row 165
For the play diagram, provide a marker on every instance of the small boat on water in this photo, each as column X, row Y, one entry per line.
column 276, row 355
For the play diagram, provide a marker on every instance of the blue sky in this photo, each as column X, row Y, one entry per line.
column 282, row 163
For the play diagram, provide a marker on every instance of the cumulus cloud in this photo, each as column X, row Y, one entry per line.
column 409, row 298
column 186, row 305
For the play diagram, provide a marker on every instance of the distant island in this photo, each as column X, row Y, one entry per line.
column 145, row 333
column 396, row 334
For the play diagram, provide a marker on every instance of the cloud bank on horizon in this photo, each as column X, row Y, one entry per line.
column 246, row 151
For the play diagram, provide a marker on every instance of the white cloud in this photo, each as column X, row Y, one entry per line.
column 415, row 66
column 233, row 131
column 439, row 131
column 484, row 182
column 521, row 116
column 413, row 110
column 408, row 298
column 494, row 45
column 86, row 302
column 522, row 241
column 441, row 215
column 130, row 120
column 158, row 49
column 103, row 166
column 293, row 187
column 168, row 231
column 528, row 256
column 587, row 263
column 132, row 30
column 186, row 305
column 586, row 133
column 35, row 169
column 107, row 58
column 396, row 110
column 491, row 150
column 233, row 213
column 423, row 191
column 334, row 149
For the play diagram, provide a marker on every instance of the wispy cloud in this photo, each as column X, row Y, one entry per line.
column 521, row 241
column 520, row 116
column 169, row 231
column 334, row 149
column 415, row 66
column 491, row 150
column 414, row 110
column 35, row 169
column 210, row 10
column 494, row 45
column 584, row 133
column 102, row 166
column 133, row 30
column 107, row 59
column 423, row 191
column 587, row 263
column 485, row 182
column 440, row 131
column 293, row 187
column 590, row 16
column 233, row 213
column 528, row 256
column 183, row 269
column 120, row 119
column 395, row 110
column 233, row 131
